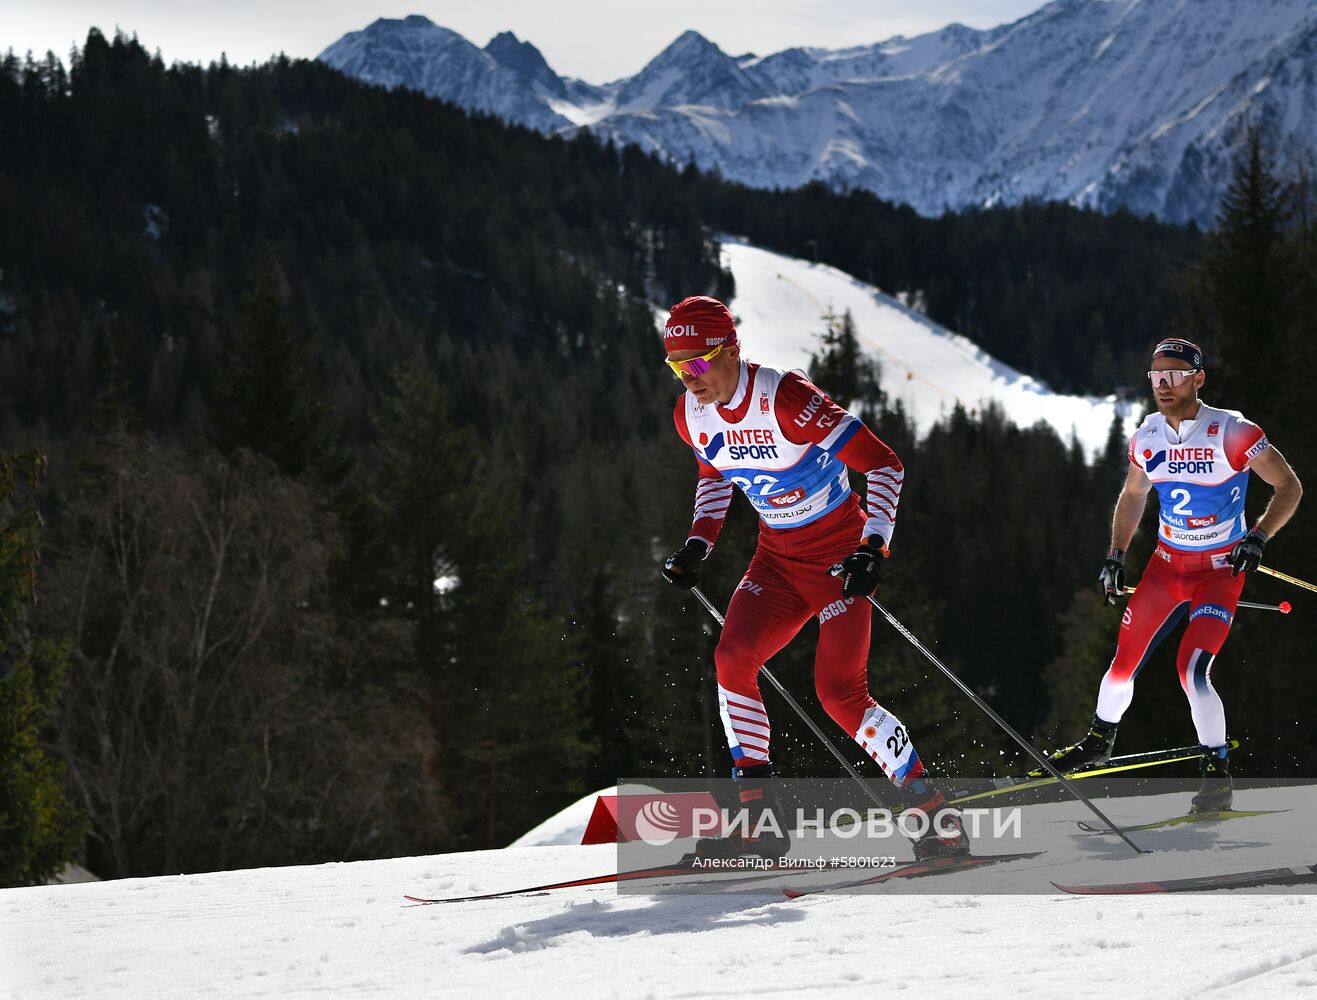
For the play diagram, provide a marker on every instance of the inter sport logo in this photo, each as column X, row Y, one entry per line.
column 712, row 448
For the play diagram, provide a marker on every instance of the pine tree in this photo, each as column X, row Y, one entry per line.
column 1113, row 462
column 1088, row 639
column 264, row 398
column 502, row 683
column 1259, row 282
column 842, row 370
column 420, row 478
column 40, row 831
column 1252, row 281
column 517, row 687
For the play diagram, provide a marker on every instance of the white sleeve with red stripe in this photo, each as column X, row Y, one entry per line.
column 805, row 413
column 884, row 494
column 713, row 493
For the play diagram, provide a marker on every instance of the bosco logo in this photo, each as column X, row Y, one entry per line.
column 834, row 609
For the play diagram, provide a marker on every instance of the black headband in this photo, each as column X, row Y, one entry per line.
column 1182, row 350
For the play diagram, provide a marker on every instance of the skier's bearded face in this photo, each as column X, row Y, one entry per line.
column 1179, row 402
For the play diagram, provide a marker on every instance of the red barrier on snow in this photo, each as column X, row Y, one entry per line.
column 656, row 819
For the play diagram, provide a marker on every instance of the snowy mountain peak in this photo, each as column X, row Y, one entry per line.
column 405, row 52
column 690, row 71
column 1135, row 104
column 415, row 52
column 527, row 62
column 690, row 44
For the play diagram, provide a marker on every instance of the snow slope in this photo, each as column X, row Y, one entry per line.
column 342, row 930
column 568, row 825
column 779, row 308
column 565, row 827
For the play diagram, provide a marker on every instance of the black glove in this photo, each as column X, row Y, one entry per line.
column 680, row 567
column 862, row 570
column 1112, row 577
column 1246, row 556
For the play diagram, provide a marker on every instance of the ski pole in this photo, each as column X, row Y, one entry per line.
column 1066, row 783
column 766, row 673
column 1287, row 578
column 1284, row 607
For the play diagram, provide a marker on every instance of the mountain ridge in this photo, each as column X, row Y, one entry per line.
column 1106, row 104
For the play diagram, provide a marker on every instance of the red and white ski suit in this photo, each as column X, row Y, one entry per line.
column 1200, row 473
column 787, row 447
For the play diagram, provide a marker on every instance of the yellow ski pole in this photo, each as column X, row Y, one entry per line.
column 1287, row 578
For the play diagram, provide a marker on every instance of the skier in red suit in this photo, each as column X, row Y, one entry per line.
column 779, row 439
column 1198, row 458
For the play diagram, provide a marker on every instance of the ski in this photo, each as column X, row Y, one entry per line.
column 1202, row 817
column 916, row 869
column 1116, row 765
column 681, row 869
column 1204, row 883
column 638, row 873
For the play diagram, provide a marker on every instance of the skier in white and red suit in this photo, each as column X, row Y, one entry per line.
column 779, row 439
column 1198, row 458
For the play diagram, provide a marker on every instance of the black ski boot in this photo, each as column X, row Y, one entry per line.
column 944, row 835
column 1217, row 792
column 760, row 827
column 1095, row 748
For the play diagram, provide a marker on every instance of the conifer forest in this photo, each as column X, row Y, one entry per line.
column 337, row 466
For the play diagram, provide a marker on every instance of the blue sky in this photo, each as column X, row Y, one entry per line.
column 596, row 40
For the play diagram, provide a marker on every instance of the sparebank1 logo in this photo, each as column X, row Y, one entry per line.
column 658, row 822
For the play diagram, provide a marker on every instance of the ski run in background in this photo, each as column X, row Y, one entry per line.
column 344, row 930
column 779, row 308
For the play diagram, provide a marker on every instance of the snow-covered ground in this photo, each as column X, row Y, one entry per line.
column 343, row 930
column 780, row 304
